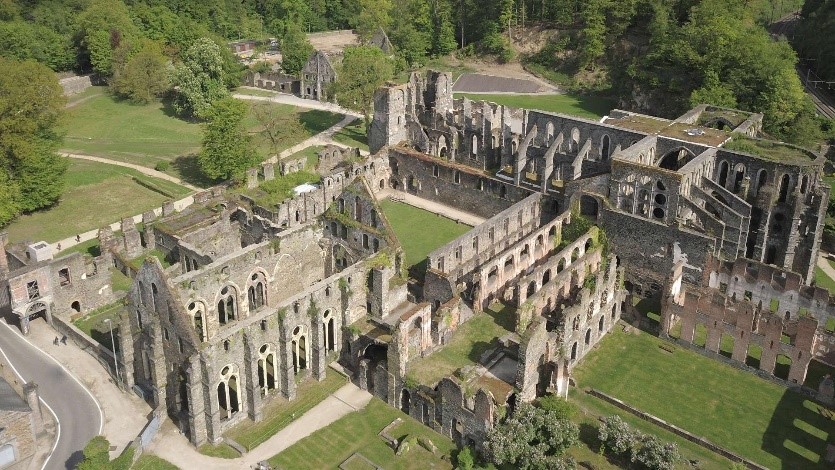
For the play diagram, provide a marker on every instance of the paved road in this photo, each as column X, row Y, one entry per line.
column 78, row 415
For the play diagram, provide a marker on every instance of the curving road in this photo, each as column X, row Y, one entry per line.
column 78, row 414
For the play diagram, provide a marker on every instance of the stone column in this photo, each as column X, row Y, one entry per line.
column 30, row 392
column 126, row 352
column 253, row 390
column 320, row 349
column 196, row 402
column 287, row 381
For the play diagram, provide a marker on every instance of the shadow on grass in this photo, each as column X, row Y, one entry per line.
column 190, row 172
column 317, row 120
column 798, row 432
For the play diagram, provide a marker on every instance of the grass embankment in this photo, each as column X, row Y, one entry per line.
column 357, row 433
column 591, row 107
column 354, row 134
column 96, row 194
column 96, row 326
column 280, row 413
column 420, row 231
column 755, row 418
column 151, row 462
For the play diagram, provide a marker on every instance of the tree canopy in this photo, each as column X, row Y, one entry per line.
column 295, row 50
column 364, row 69
column 199, row 79
column 31, row 104
column 227, row 149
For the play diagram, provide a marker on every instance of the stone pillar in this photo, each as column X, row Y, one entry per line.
column 288, row 377
column 252, row 178
column 132, row 239
column 107, row 242
column 740, row 351
column 269, row 171
column 4, row 262
column 196, row 402
column 714, row 336
column 159, row 373
column 168, row 208
column 320, row 349
column 148, row 237
column 30, row 394
column 253, row 390
column 126, row 352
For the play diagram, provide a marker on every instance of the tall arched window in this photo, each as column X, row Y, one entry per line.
column 267, row 368
column 784, row 188
column 198, row 315
column 228, row 396
column 328, row 331
column 300, row 349
column 227, row 307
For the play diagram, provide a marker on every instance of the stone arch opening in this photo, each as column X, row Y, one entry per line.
column 198, row 316
column 589, row 206
column 784, row 188
column 600, row 325
column 227, row 306
column 546, row 276
column 782, row 366
column 549, row 133
column 574, row 351
column 726, row 345
column 739, row 176
column 76, row 306
column 299, row 346
column 804, row 184
column 375, row 354
column 723, row 173
column 443, row 147
column 267, row 372
column 700, row 335
column 604, row 147
column 405, row 401
column 474, row 146
column 228, row 393
column 575, row 140
column 154, row 297
column 676, row 158
column 257, row 291
column 588, row 337
column 328, row 331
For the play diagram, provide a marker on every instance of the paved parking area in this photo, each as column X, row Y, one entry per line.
column 482, row 83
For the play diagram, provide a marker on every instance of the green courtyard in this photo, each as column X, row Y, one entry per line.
column 590, row 107
column 755, row 418
column 420, row 231
column 357, row 432
column 95, row 195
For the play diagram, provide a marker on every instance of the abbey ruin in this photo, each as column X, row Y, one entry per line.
column 580, row 218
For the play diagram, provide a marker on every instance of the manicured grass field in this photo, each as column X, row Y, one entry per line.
column 148, row 134
column 357, row 432
column 590, row 107
column 471, row 340
column 353, row 135
column 152, row 462
column 823, row 280
column 95, row 195
column 222, row 451
column 760, row 420
column 281, row 412
column 420, row 231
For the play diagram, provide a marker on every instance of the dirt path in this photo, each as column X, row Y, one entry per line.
column 284, row 98
column 142, row 169
column 431, row 206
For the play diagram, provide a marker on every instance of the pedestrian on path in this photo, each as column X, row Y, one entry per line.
column 64, row 340
column 55, row 341
column 78, row 238
column 59, row 247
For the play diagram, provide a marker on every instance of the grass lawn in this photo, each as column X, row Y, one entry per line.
column 353, row 135
column 590, row 408
column 357, row 432
column 590, row 107
column 222, row 451
column 148, row 134
column 95, row 195
column 471, row 340
column 823, row 280
column 151, row 462
column 281, row 412
column 311, row 155
column 755, row 418
column 94, row 324
column 420, row 231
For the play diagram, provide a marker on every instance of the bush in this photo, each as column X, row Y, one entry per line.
column 616, row 435
column 655, row 454
column 465, row 459
column 559, row 407
column 164, row 165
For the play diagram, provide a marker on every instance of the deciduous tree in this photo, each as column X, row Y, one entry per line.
column 145, row 76
column 364, row 69
column 199, row 79
column 227, row 149
column 295, row 50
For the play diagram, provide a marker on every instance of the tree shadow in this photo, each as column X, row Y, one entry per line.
column 799, row 431
column 317, row 120
column 189, row 170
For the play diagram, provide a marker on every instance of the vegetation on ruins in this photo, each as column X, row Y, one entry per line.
column 31, row 172
column 227, row 148
column 532, row 438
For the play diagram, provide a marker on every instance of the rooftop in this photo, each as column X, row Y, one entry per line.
column 778, row 152
column 9, row 399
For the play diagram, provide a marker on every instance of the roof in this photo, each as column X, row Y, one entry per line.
column 9, row 399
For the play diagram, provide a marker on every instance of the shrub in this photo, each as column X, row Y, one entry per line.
column 559, row 407
column 465, row 459
column 163, row 165
column 616, row 435
column 655, row 454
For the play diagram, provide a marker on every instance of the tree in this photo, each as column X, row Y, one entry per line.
column 295, row 50
column 411, row 34
column 22, row 40
column 96, row 454
column 655, row 454
column 199, row 79
column 145, row 76
column 616, row 435
column 102, row 27
column 364, row 69
column 31, row 104
column 558, row 407
column 227, row 149
column 532, row 438
column 369, row 16
column 277, row 126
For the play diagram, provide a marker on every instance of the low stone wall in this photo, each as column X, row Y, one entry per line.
column 77, row 84
column 676, row 430
column 102, row 354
